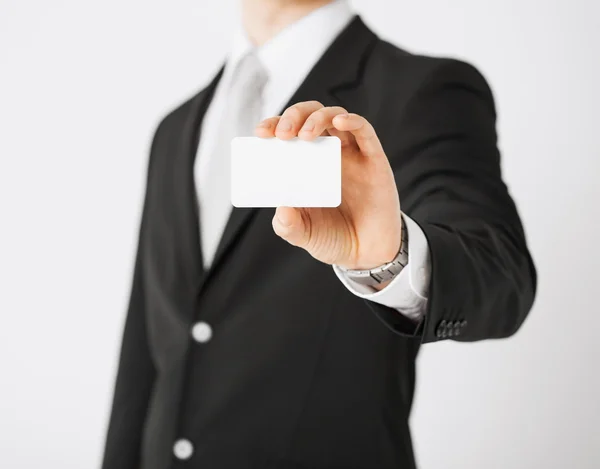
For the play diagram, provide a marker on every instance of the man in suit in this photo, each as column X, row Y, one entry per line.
column 257, row 339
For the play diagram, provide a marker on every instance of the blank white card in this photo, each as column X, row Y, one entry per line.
column 269, row 172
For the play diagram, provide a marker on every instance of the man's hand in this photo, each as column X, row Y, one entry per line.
column 365, row 230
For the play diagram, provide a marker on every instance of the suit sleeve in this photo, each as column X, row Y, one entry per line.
column 447, row 168
column 135, row 376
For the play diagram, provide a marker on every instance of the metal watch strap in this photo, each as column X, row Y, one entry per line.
column 384, row 272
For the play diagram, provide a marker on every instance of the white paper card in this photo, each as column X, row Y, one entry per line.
column 269, row 172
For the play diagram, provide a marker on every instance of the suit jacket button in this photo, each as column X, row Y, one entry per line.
column 183, row 449
column 441, row 329
column 463, row 324
column 201, row 332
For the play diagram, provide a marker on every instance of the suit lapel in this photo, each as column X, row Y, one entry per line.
column 185, row 206
column 339, row 67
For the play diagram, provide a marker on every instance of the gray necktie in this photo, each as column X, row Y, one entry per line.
column 239, row 118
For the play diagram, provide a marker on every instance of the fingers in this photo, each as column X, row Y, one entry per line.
column 289, row 225
column 306, row 120
column 319, row 121
column 266, row 128
column 310, row 119
column 293, row 118
column 363, row 133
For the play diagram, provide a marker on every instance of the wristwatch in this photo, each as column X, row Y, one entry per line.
column 384, row 272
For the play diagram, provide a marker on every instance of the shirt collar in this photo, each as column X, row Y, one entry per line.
column 294, row 51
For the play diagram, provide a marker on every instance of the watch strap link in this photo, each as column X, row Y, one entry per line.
column 386, row 271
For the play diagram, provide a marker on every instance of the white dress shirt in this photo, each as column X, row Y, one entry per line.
column 288, row 58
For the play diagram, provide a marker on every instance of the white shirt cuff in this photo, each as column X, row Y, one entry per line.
column 408, row 291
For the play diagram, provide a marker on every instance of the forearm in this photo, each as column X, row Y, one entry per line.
column 483, row 280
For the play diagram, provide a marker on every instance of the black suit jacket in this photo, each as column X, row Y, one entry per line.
column 300, row 373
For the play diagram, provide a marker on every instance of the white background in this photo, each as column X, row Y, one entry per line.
column 82, row 85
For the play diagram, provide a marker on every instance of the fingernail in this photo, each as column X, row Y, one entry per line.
column 284, row 125
column 309, row 125
column 343, row 116
column 264, row 125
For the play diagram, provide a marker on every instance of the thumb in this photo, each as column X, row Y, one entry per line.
column 290, row 225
